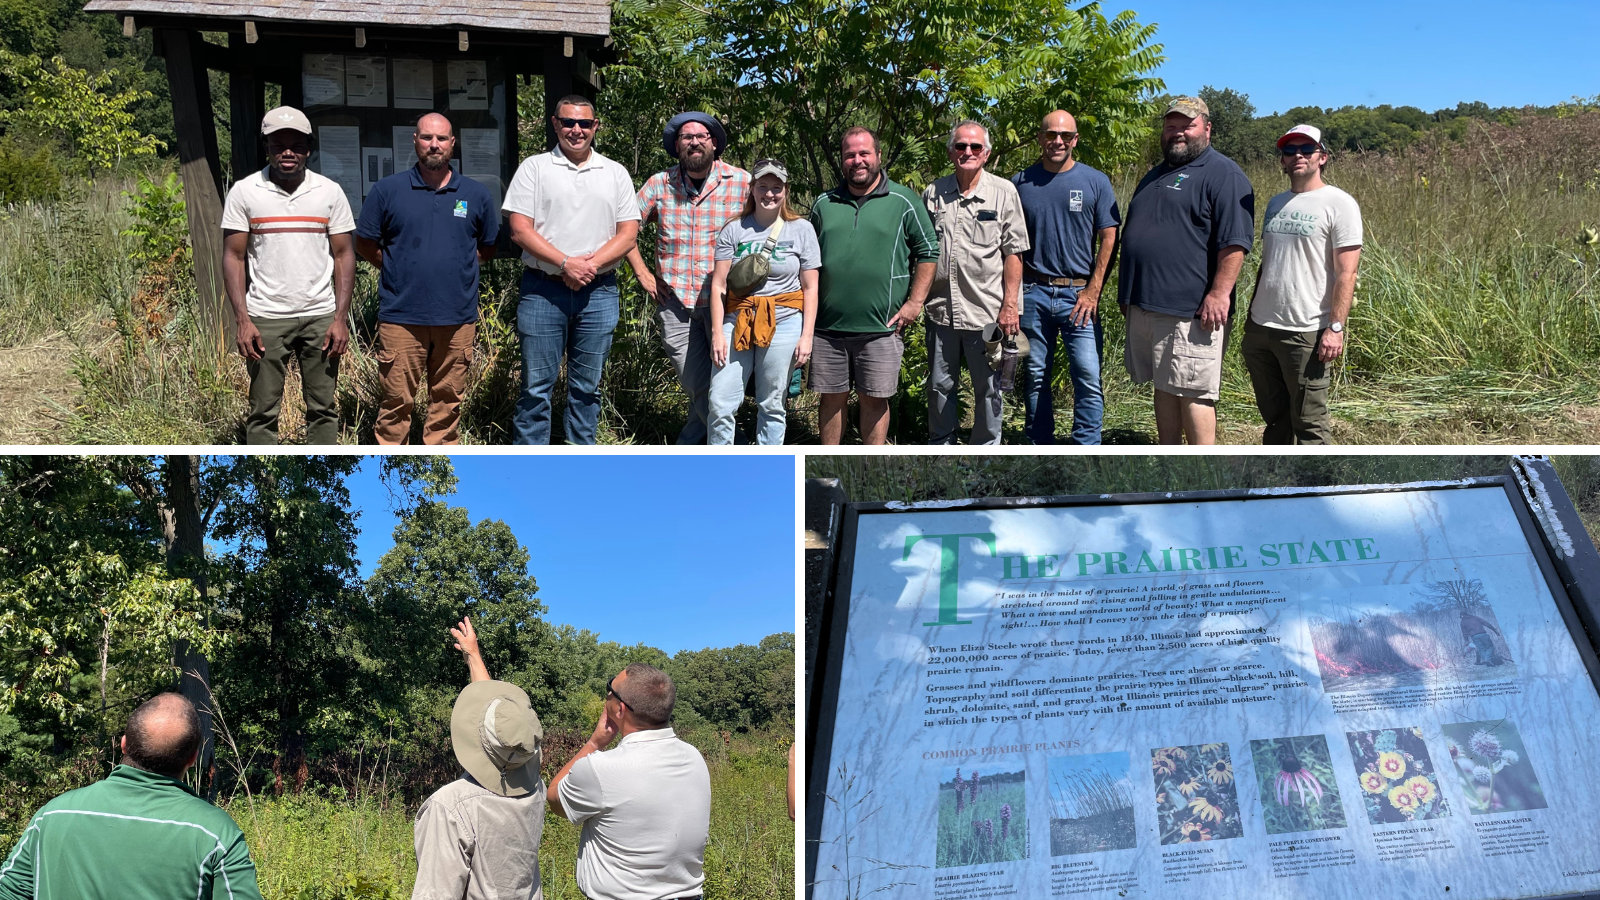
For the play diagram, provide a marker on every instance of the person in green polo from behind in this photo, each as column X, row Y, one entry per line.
column 141, row 834
column 879, row 252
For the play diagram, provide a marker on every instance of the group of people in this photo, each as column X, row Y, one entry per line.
column 1008, row 271
column 644, row 806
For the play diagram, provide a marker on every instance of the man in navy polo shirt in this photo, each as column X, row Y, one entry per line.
column 1190, row 223
column 427, row 229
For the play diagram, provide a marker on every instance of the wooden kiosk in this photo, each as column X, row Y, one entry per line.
column 364, row 71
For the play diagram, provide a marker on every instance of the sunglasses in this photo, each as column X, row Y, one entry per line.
column 1065, row 136
column 1299, row 149
column 585, row 124
column 975, row 148
column 611, row 692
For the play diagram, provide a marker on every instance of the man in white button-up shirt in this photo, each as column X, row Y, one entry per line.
column 645, row 807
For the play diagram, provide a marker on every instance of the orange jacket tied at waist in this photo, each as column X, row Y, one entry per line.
column 757, row 317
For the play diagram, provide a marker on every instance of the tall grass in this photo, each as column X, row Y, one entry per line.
column 64, row 260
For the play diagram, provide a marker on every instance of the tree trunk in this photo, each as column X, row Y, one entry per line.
column 186, row 556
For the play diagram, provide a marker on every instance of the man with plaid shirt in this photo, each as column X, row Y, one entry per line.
column 690, row 202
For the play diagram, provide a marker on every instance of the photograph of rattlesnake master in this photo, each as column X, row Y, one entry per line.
column 983, row 816
column 1446, row 633
column 1298, row 789
column 1091, row 804
column 1492, row 766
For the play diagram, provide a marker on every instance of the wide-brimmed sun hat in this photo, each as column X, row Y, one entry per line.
column 669, row 134
column 496, row 736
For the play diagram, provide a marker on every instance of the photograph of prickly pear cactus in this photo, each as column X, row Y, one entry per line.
column 982, row 816
column 1493, row 767
column 1091, row 804
column 1397, row 777
column 1298, row 789
column 1195, row 795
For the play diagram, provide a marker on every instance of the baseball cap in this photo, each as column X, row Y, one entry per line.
column 770, row 167
column 285, row 117
column 1310, row 131
column 1193, row 107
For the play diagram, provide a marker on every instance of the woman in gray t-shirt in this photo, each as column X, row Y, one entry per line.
column 766, row 333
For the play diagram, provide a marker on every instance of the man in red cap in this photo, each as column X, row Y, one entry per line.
column 690, row 203
column 1310, row 249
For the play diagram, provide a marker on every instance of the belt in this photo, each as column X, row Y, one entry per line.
column 1032, row 277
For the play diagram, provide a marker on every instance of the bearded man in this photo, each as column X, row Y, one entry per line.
column 1190, row 223
column 427, row 230
column 690, row 202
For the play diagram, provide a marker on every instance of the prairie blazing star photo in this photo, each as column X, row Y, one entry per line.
column 982, row 816
column 1493, row 768
column 1195, row 795
column 1297, row 784
column 1398, row 781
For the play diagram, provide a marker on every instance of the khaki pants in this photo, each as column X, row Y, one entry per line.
column 1291, row 384
column 405, row 353
column 299, row 337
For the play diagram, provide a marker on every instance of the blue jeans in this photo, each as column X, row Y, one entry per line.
column 555, row 321
column 770, row 366
column 1047, row 312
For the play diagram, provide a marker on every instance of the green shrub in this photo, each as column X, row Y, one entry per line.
column 27, row 178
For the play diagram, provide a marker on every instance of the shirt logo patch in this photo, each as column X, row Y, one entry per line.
column 461, row 209
column 1177, row 183
column 1075, row 201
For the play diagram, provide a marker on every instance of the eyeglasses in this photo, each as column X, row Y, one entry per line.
column 696, row 138
column 585, row 124
column 1065, row 136
column 611, row 692
column 1299, row 149
column 975, row 148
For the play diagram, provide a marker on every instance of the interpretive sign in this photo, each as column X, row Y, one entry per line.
column 1339, row 693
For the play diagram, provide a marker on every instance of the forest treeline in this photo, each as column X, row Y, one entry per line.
column 118, row 573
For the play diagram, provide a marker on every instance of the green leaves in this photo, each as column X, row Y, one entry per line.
column 78, row 109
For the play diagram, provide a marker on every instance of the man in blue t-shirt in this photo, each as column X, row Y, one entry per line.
column 428, row 229
column 1190, row 223
column 1069, row 207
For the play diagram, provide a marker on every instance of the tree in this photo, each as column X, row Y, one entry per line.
column 79, row 110
column 739, row 687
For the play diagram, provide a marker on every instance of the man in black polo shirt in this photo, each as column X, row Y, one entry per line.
column 1190, row 223
column 427, row 229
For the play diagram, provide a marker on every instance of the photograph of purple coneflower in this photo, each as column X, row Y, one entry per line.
column 982, row 816
column 1493, row 767
column 1195, row 795
column 1298, row 789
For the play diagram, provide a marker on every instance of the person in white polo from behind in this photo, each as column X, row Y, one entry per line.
column 645, row 807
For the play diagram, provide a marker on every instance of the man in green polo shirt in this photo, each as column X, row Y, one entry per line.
column 140, row 834
column 871, row 231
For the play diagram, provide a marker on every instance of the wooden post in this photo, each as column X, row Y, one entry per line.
column 247, row 100
column 557, row 84
column 201, row 168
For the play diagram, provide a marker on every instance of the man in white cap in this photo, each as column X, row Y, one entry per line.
column 1310, row 250
column 289, row 228
column 645, row 806
column 690, row 203
column 478, row 836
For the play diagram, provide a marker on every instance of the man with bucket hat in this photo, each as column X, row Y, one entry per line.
column 690, row 202
column 1310, row 250
column 289, row 268
column 478, row 836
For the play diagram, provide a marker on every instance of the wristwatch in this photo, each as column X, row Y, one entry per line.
column 1336, row 327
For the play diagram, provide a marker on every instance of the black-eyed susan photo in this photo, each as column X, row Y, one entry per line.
column 1397, row 777
column 1195, row 795
column 1298, row 788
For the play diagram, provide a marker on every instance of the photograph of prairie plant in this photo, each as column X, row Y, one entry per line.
column 1398, row 781
column 1195, row 795
column 1493, row 767
column 1439, row 631
column 983, row 817
column 1091, row 804
column 1298, row 789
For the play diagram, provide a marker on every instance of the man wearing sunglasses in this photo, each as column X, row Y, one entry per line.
column 575, row 216
column 1310, row 250
column 690, row 202
column 1069, row 207
column 978, row 283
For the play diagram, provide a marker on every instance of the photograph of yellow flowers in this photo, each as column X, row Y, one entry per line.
column 1195, row 796
column 1398, row 781
column 1091, row 804
column 982, row 817
column 1493, row 767
column 1298, row 788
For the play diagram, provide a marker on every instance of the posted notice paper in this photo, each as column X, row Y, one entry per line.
column 366, row 81
column 413, row 83
column 469, row 84
column 322, row 79
column 339, row 158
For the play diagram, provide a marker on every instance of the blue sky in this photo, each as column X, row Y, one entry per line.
column 679, row 552
column 1426, row 53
